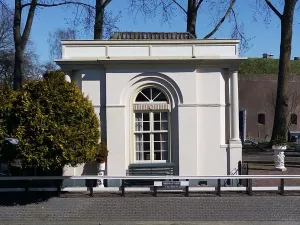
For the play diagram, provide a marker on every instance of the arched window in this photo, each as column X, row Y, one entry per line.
column 294, row 119
column 151, row 126
column 261, row 118
column 151, row 95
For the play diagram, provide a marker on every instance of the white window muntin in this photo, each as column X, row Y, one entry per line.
column 151, row 136
column 152, row 140
column 150, row 95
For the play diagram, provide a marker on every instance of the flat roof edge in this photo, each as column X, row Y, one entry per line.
column 147, row 59
column 116, row 42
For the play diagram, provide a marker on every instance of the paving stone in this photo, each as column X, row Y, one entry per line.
column 229, row 208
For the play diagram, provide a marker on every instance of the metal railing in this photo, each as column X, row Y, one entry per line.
column 187, row 189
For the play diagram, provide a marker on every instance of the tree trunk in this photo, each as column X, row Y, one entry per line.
column 21, row 40
column 98, row 27
column 192, row 17
column 18, row 46
column 280, row 118
column 18, row 68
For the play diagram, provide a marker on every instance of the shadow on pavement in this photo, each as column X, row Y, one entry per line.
column 13, row 198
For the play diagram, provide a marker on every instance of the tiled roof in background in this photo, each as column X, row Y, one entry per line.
column 151, row 36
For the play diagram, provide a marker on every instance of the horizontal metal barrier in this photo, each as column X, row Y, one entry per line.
column 93, row 177
column 185, row 188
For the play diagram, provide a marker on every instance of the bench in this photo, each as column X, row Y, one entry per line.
column 149, row 169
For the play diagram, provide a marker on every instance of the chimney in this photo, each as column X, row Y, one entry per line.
column 297, row 58
column 268, row 56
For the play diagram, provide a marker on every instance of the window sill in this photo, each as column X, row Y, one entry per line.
column 224, row 146
column 151, row 165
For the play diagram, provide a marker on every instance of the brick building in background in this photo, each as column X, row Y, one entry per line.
column 257, row 95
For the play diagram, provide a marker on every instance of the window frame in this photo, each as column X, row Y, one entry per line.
column 151, row 131
column 261, row 121
column 295, row 119
column 151, row 111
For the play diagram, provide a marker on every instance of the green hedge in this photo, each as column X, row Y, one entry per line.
column 55, row 123
column 266, row 66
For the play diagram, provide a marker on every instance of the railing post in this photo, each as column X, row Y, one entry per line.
column 187, row 189
column 91, row 188
column 26, row 187
column 123, row 188
column 219, row 188
column 282, row 186
column 240, row 172
column 249, row 187
column 58, row 188
column 155, row 191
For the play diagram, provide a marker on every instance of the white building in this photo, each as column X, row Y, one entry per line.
column 161, row 102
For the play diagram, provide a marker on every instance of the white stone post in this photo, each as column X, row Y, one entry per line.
column 77, row 78
column 234, row 97
column 100, row 172
column 74, row 76
column 279, row 157
column 234, row 154
column 68, row 75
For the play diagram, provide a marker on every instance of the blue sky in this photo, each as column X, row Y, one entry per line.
column 264, row 37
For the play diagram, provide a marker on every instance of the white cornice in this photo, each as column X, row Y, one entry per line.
column 150, row 42
column 150, row 58
column 157, row 59
column 142, row 62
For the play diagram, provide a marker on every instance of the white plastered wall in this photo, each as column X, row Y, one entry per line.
column 212, row 158
column 201, row 128
column 199, row 97
column 201, row 116
column 119, row 109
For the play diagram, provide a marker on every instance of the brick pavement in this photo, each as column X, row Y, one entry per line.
column 158, row 223
column 275, row 182
column 290, row 157
column 162, row 208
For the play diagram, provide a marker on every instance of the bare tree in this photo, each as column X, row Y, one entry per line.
column 220, row 10
column 95, row 13
column 31, row 64
column 6, row 69
column 48, row 66
column 32, row 69
column 98, row 20
column 293, row 96
column 21, row 37
column 282, row 98
column 55, row 38
column 6, row 24
column 6, row 44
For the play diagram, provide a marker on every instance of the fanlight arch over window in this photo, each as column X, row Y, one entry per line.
column 151, row 98
column 151, row 94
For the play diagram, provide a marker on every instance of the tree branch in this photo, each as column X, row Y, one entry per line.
column 273, row 9
column 5, row 6
column 180, row 6
column 106, row 3
column 199, row 3
column 61, row 3
column 239, row 33
column 221, row 21
column 28, row 25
